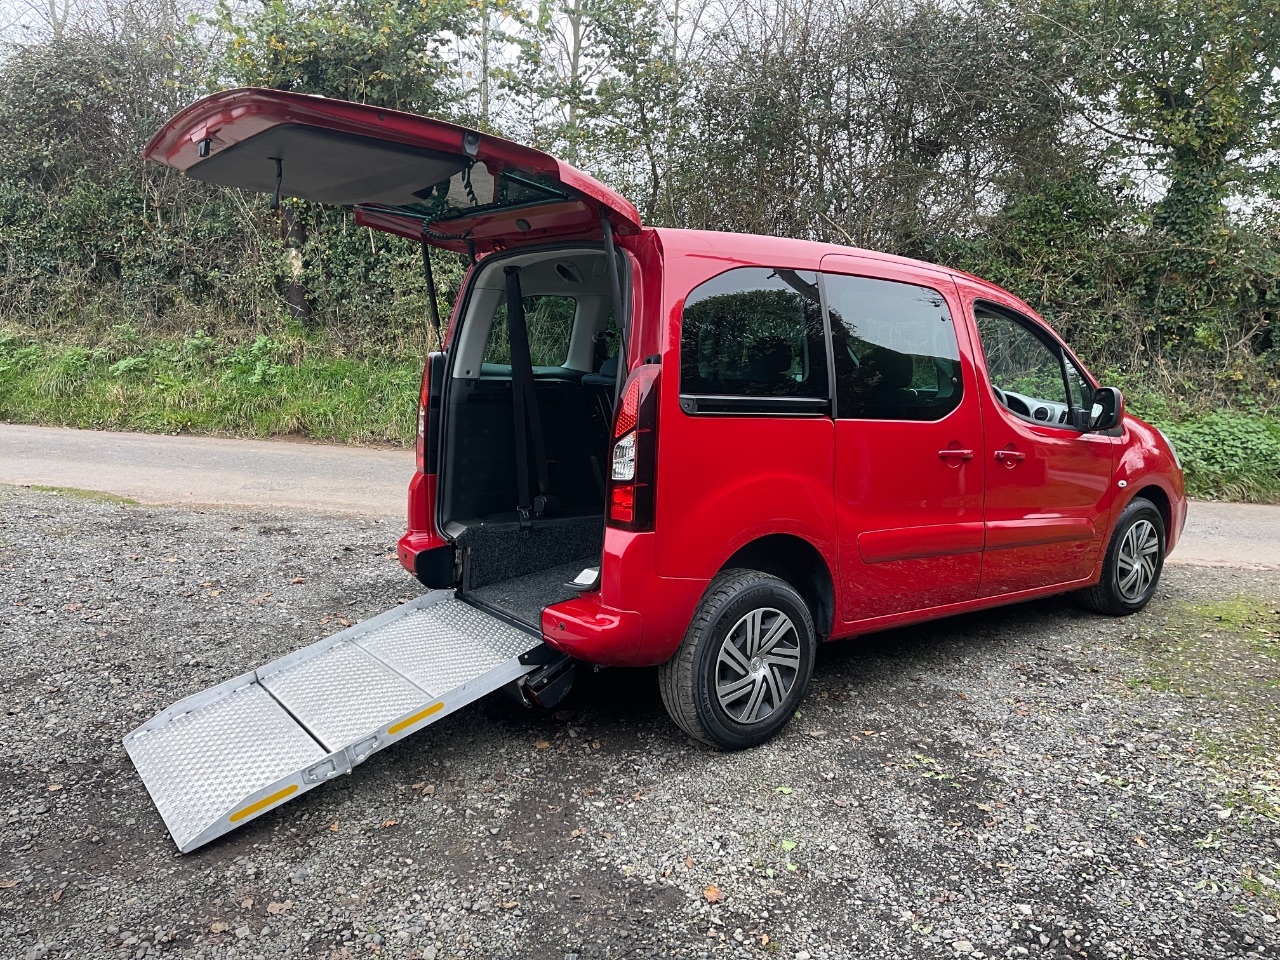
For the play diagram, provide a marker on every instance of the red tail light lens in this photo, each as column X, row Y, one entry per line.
column 428, row 404
column 424, row 398
column 626, row 421
column 633, row 458
column 622, row 504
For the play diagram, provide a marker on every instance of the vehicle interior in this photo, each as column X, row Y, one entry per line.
column 1027, row 375
column 528, row 409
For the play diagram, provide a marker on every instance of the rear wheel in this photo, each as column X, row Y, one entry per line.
column 1132, row 566
column 744, row 664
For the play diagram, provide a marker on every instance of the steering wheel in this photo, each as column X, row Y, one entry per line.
column 999, row 395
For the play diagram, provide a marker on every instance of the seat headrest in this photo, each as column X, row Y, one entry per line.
column 770, row 358
column 894, row 369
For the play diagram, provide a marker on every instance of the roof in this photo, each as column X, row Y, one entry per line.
column 753, row 248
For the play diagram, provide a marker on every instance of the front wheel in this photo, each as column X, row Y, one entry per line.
column 1132, row 566
column 744, row 664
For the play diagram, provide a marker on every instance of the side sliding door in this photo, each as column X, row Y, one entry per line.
column 909, row 479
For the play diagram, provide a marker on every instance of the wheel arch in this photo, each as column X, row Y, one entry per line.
column 1160, row 500
column 797, row 562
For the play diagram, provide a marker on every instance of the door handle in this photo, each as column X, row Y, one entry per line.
column 1010, row 457
column 962, row 454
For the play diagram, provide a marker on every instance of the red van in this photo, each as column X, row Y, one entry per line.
column 709, row 451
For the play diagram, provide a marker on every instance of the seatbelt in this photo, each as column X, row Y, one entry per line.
column 528, row 421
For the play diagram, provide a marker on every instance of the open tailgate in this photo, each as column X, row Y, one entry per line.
column 421, row 178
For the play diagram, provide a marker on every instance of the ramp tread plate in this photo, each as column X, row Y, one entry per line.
column 200, row 765
column 447, row 644
column 343, row 694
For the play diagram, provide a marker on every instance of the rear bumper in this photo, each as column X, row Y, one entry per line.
column 415, row 548
column 635, row 619
column 589, row 630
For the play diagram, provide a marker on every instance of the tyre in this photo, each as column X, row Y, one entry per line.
column 1131, row 568
column 744, row 664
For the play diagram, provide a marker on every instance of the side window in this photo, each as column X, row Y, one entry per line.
column 754, row 332
column 895, row 349
column 549, row 320
column 1025, row 371
column 1081, row 391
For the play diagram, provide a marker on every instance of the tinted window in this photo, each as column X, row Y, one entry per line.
column 549, row 321
column 895, row 348
column 754, row 332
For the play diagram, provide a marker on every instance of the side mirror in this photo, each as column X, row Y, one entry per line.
column 1108, row 409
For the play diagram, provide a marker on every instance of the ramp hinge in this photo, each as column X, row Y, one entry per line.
column 324, row 770
column 363, row 750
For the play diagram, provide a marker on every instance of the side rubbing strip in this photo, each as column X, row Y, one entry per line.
column 265, row 802
column 408, row 722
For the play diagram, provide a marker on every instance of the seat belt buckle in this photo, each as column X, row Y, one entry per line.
column 526, row 519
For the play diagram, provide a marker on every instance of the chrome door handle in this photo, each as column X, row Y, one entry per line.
column 962, row 454
column 1010, row 457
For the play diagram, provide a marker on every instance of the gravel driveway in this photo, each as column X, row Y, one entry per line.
column 1033, row 781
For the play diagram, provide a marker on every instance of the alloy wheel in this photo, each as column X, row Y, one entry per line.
column 1136, row 561
column 757, row 665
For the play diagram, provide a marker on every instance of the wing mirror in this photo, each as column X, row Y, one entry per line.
column 1108, row 409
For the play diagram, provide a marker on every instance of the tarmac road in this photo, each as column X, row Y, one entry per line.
column 205, row 471
column 209, row 471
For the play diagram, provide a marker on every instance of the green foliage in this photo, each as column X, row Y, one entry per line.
column 1113, row 163
column 1232, row 455
column 1192, row 86
column 388, row 52
column 268, row 386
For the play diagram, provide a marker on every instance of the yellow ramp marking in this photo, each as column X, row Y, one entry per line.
column 408, row 722
column 265, row 802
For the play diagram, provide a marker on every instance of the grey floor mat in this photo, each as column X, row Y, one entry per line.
column 524, row 597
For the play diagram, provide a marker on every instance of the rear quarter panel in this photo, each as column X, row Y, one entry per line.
column 723, row 480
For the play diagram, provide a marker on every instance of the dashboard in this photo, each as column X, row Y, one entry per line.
column 1033, row 408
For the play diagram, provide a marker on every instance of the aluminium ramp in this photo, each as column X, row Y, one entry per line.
column 217, row 759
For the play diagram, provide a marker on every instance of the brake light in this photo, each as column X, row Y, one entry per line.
column 428, row 394
column 634, row 456
column 424, row 397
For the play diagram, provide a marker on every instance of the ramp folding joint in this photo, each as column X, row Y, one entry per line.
column 221, row 757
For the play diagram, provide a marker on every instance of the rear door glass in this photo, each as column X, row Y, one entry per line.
column 754, row 332
column 895, row 350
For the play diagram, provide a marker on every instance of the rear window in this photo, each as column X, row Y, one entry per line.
column 754, row 332
column 474, row 189
column 895, row 349
column 549, row 320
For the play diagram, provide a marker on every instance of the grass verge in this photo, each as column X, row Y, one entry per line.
column 308, row 386
column 283, row 386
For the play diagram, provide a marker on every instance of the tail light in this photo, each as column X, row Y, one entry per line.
column 633, row 458
column 428, row 411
